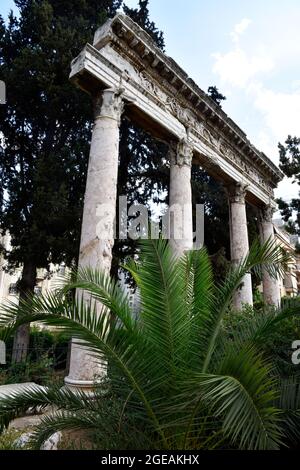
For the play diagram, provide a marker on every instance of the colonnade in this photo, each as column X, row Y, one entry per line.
column 101, row 194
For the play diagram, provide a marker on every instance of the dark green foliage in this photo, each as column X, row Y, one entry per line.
column 46, row 360
column 141, row 16
column 258, row 300
column 289, row 155
column 143, row 177
column 46, row 126
column 208, row 191
column 215, row 95
column 39, row 371
column 278, row 343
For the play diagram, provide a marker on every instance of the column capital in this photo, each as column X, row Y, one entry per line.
column 266, row 213
column 236, row 192
column 109, row 104
column 181, row 152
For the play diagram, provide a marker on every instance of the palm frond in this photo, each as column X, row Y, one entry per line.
column 163, row 314
column 195, row 267
column 267, row 256
column 241, row 394
column 289, row 402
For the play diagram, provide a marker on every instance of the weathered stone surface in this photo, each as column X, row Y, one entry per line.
column 180, row 199
column 162, row 91
column 26, row 425
column 97, row 233
column 52, row 442
column 239, row 244
column 172, row 107
column 271, row 291
column 23, row 440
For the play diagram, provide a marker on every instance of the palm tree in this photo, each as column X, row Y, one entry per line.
column 175, row 381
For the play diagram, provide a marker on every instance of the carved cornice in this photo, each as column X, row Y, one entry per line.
column 198, row 130
column 138, row 45
column 236, row 192
column 202, row 130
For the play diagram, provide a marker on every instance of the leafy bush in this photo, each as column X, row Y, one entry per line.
column 40, row 371
column 46, row 360
column 277, row 344
column 53, row 343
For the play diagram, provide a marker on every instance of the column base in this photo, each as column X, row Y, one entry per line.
column 86, row 386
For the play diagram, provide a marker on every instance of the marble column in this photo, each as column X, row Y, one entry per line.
column 180, row 197
column 271, row 290
column 99, row 213
column 239, row 243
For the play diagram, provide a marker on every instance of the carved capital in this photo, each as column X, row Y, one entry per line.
column 236, row 192
column 181, row 153
column 266, row 213
column 109, row 104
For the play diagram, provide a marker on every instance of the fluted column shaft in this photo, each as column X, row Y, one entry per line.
column 239, row 243
column 99, row 213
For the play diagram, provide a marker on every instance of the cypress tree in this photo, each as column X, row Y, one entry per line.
column 45, row 129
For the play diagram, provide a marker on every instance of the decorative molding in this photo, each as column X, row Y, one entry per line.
column 109, row 104
column 184, row 153
column 218, row 143
column 115, row 66
column 266, row 213
column 140, row 49
column 149, row 85
column 236, row 192
column 181, row 152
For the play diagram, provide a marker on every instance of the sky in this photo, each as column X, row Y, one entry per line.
column 250, row 50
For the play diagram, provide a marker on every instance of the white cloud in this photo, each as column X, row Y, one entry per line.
column 265, row 143
column 278, row 111
column 296, row 85
column 237, row 68
column 240, row 28
column 281, row 116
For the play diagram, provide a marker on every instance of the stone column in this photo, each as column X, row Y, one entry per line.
column 239, row 244
column 99, row 213
column 271, row 290
column 180, row 197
